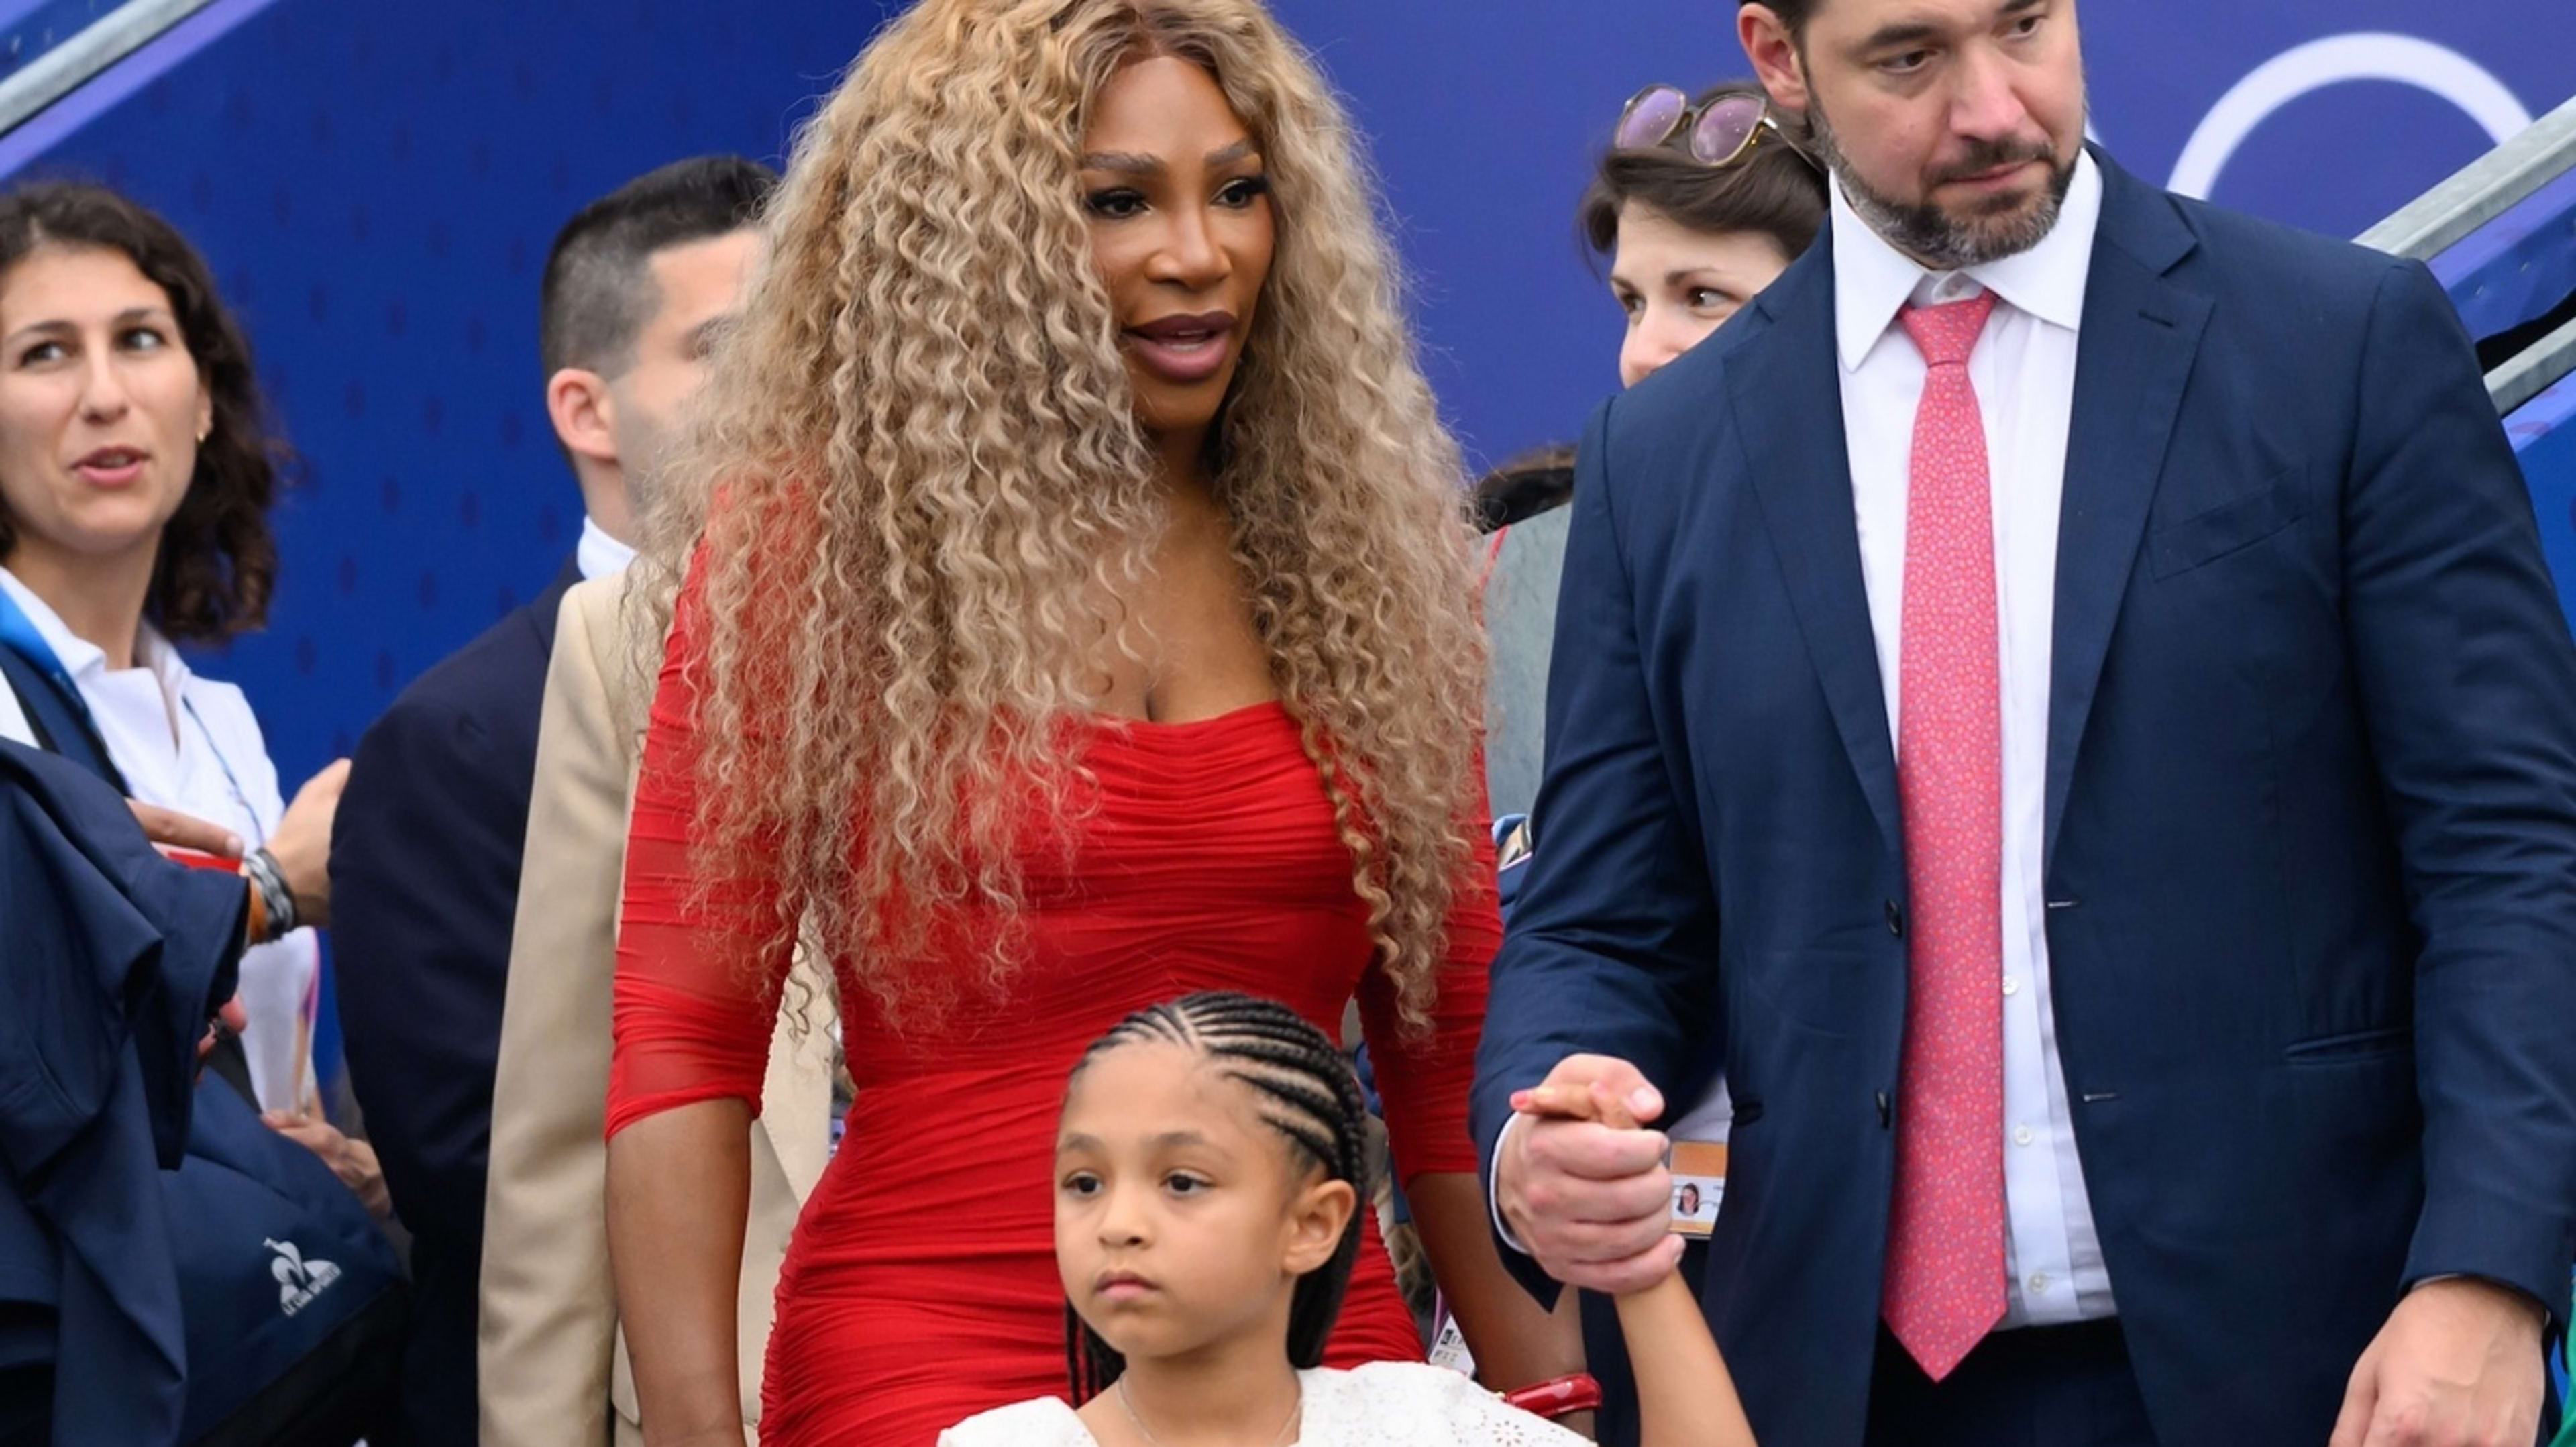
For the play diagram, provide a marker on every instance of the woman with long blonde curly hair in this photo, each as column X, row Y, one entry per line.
column 1077, row 614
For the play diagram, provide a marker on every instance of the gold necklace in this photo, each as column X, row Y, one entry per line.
column 1277, row 1438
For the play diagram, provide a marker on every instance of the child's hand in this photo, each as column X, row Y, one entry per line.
column 1595, row 1103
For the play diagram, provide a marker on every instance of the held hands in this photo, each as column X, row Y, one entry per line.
column 1597, row 1103
column 1592, row 1200
column 302, row 847
column 1685, row 1395
column 2458, row 1365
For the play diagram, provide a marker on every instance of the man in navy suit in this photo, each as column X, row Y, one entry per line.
column 425, row 855
column 2062, row 694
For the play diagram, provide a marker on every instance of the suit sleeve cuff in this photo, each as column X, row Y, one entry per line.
column 2466, row 1235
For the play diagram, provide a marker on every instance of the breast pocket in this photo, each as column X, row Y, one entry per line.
column 2229, row 527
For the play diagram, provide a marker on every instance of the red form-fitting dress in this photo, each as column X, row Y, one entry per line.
column 920, row 1287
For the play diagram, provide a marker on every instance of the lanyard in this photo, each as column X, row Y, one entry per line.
column 258, row 836
column 18, row 634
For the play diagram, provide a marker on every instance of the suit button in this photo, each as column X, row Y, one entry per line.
column 1895, row 920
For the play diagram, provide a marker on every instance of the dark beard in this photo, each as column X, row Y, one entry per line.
column 1937, row 238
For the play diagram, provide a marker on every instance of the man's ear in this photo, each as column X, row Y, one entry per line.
column 1316, row 1220
column 583, row 413
column 1774, row 53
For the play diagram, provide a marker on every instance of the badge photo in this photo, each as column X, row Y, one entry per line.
column 1699, row 1186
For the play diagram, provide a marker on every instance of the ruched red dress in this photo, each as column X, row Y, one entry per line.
column 921, row 1287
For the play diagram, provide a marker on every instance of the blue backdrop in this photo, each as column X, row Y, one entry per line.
column 376, row 185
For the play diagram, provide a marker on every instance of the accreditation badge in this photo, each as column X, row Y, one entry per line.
column 1699, row 1186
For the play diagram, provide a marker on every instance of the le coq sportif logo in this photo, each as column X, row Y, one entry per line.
column 298, row 1280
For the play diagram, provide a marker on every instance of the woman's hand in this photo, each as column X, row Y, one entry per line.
column 354, row 1162
column 171, row 829
column 302, row 847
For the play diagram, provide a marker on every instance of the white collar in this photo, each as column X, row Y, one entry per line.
column 1872, row 279
column 81, row 658
column 597, row 554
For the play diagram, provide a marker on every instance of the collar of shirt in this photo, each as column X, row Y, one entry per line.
column 598, row 554
column 86, row 662
column 1872, row 279
column 78, row 656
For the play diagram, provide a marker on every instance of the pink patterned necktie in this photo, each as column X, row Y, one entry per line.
column 1945, row 1233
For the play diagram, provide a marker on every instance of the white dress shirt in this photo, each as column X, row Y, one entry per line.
column 2024, row 373
column 597, row 554
column 190, row 744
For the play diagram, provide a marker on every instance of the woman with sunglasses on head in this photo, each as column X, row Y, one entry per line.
column 1077, row 611
column 136, row 474
column 1697, row 205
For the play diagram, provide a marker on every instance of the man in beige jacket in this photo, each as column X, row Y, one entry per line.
column 553, row 1364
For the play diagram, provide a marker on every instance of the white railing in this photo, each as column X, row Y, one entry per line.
column 97, row 45
column 2486, row 189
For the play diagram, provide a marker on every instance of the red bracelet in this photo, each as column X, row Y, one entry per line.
column 1557, row 1397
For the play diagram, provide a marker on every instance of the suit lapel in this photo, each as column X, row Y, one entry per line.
column 2142, row 331
column 1786, row 389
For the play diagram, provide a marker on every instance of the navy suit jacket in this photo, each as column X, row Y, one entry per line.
column 114, row 960
column 2310, row 857
column 424, row 892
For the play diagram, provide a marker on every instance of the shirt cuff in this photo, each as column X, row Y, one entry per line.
column 1494, row 1184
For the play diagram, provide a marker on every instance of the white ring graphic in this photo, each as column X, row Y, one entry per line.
column 2404, row 59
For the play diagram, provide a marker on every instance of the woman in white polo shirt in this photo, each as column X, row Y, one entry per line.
column 136, row 473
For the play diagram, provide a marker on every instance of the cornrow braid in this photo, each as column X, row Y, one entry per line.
column 1308, row 1094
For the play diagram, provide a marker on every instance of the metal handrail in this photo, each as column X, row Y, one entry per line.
column 98, row 45
column 2482, row 191
column 2533, row 370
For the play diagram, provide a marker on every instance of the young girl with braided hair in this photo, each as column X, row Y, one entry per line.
column 1208, row 1178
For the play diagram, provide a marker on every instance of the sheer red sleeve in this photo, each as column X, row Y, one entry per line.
column 697, row 977
column 1423, row 1080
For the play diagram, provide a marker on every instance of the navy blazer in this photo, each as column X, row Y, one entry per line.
column 2310, row 858
column 115, row 960
column 424, row 893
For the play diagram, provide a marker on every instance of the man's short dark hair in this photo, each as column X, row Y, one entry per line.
column 598, row 291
